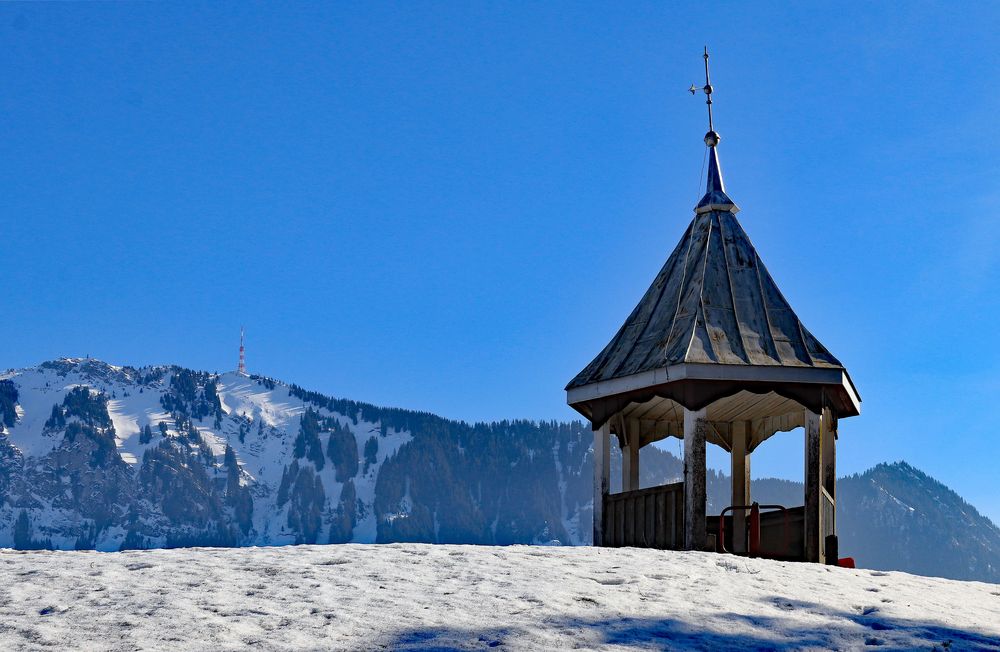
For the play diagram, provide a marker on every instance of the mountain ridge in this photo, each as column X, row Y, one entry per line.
column 163, row 456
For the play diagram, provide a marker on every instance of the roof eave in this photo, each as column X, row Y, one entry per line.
column 831, row 376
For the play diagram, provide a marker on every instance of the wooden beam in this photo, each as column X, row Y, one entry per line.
column 695, row 431
column 829, row 453
column 635, row 444
column 602, row 479
column 633, row 467
column 626, row 469
column 838, row 380
column 741, row 481
column 630, row 455
column 828, row 479
column 813, row 451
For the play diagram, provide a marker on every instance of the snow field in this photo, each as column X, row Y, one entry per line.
column 421, row 597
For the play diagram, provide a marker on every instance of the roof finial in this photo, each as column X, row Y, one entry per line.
column 715, row 190
column 712, row 138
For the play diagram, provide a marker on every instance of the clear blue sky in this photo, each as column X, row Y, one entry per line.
column 453, row 207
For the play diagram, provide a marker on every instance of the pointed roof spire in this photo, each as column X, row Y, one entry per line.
column 715, row 198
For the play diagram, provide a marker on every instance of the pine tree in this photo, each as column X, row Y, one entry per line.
column 345, row 516
column 134, row 541
column 342, row 450
column 237, row 496
column 307, row 443
column 8, row 399
column 57, row 419
column 22, row 532
column 288, row 476
column 371, row 452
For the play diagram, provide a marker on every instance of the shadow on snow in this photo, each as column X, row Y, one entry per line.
column 840, row 629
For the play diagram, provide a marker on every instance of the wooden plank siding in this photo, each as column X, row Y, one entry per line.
column 646, row 518
column 773, row 542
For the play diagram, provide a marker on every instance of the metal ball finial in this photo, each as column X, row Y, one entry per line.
column 711, row 138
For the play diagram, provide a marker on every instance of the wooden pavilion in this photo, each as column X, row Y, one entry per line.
column 714, row 353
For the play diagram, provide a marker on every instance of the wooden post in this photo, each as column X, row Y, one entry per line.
column 633, row 467
column 630, row 468
column 695, row 428
column 602, row 469
column 829, row 454
column 813, row 469
column 828, row 478
column 626, row 471
column 630, row 454
column 633, row 449
column 741, row 481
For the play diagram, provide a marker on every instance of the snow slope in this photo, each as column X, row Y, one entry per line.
column 265, row 410
column 414, row 596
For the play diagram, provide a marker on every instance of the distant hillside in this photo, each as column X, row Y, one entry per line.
column 100, row 456
column 896, row 517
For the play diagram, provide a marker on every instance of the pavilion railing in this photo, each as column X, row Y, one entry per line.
column 646, row 518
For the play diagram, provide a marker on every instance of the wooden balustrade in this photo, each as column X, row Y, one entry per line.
column 655, row 518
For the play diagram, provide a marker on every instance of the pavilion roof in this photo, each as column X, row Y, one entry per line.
column 713, row 302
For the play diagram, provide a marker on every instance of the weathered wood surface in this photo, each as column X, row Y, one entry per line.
column 630, row 468
column 740, row 477
column 713, row 302
column 828, row 519
column 602, row 478
column 813, row 482
column 772, row 534
column 695, row 498
column 645, row 518
column 712, row 326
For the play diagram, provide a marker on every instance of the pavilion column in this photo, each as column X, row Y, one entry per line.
column 740, row 431
column 828, row 459
column 813, row 482
column 829, row 453
column 630, row 467
column 695, row 430
column 633, row 466
column 602, row 479
column 630, row 456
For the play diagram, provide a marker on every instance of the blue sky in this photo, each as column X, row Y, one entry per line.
column 453, row 207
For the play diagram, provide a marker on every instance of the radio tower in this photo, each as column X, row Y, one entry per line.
column 241, row 369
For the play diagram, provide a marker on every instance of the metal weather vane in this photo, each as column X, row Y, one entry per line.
column 712, row 137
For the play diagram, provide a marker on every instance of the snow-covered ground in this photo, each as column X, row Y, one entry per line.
column 360, row 597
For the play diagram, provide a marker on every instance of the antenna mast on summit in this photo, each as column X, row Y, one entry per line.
column 241, row 369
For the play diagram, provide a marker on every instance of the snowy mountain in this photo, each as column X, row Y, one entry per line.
column 99, row 456
column 107, row 457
